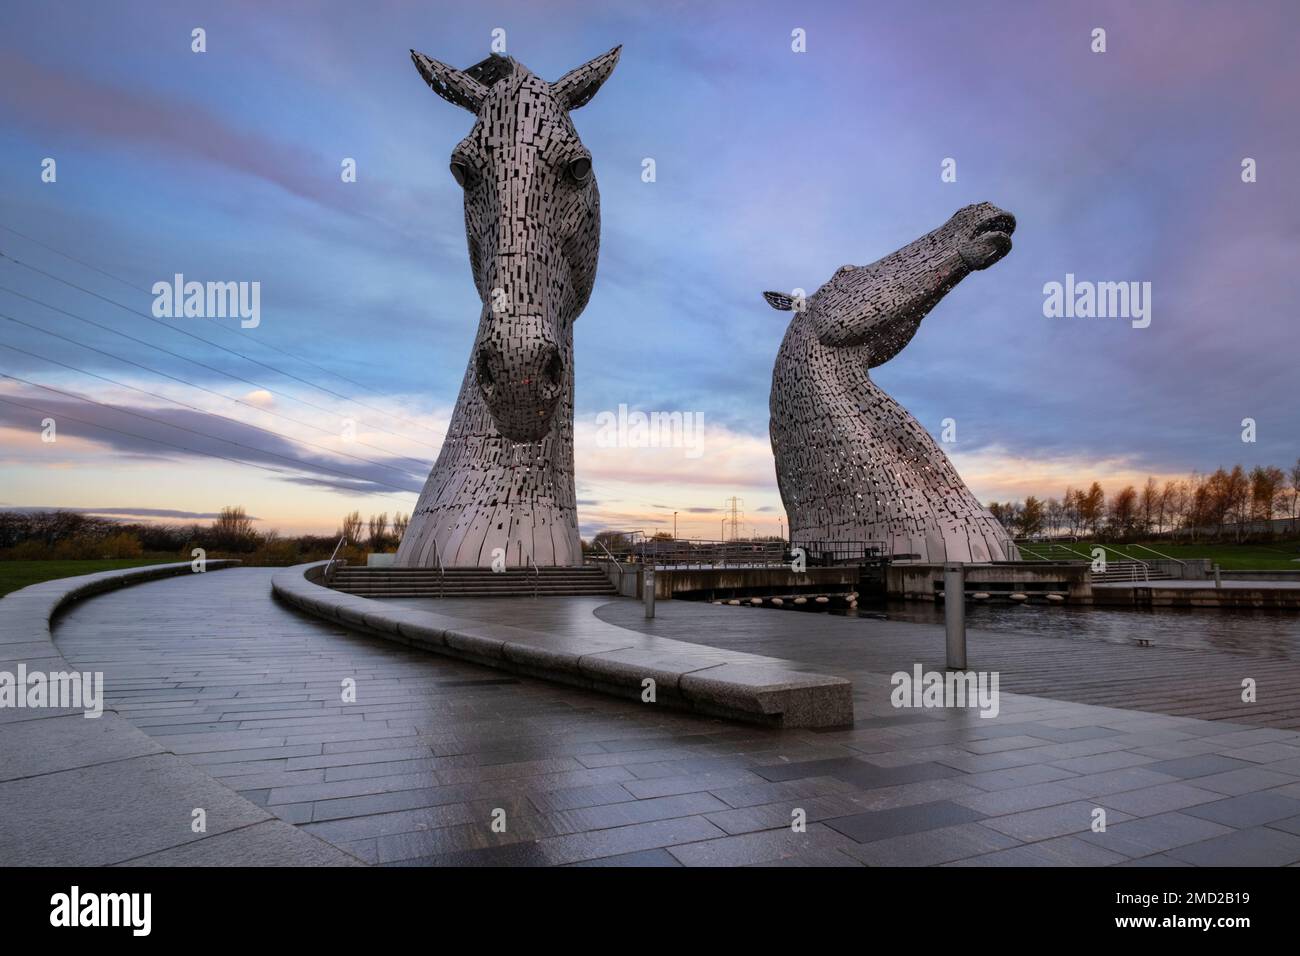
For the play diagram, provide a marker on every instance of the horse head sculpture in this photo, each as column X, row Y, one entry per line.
column 532, row 220
column 852, row 464
column 503, row 482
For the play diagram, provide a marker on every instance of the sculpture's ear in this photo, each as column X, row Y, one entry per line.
column 454, row 86
column 577, row 87
column 779, row 301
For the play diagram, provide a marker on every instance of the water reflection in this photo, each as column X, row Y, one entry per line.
column 1271, row 633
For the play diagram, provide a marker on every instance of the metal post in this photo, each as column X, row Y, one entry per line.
column 648, row 589
column 954, row 614
column 1218, row 577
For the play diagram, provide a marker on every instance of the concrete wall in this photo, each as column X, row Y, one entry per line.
column 670, row 583
column 755, row 580
column 916, row 582
column 1261, row 576
column 1153, row 595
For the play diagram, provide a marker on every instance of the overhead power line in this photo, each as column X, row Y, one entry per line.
column 132, row 338
column 194, row 431
column 156, row 441
column 174, row 328
column 260, row 341
column 203, row 411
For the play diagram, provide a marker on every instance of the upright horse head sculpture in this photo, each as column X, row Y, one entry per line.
column 851, row 463
column 504, row 477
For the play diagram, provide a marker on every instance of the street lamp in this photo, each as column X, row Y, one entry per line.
column 674, row 525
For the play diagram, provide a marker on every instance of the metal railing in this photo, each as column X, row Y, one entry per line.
column 687, row 553
column 829, row 553
column 1182, row 564
column 1022, row 549
column 1128, row 564
column 1132, row 571
column 329, row 565
column 537, row 573
column 442, row 572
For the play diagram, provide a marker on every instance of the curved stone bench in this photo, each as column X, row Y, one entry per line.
column 95, row 791
column 609, row 659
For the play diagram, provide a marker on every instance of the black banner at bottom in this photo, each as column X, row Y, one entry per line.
column 335, row 906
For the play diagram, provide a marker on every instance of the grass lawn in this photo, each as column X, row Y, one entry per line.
column 19, row 574
column 1279, row 556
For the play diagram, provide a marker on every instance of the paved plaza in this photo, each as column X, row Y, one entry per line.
column 434, row 749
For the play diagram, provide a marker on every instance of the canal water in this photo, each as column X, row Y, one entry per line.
column 1268, row 633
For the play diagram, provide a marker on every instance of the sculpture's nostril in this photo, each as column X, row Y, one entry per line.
column 553, row 369
column 1002, row 222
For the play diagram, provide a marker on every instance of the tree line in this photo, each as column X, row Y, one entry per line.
column 64, row 535
column 1222, row 504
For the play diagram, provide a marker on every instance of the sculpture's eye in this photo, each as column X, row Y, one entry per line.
column 463, row 173
column 580, row 169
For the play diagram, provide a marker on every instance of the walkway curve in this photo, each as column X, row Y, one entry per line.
column 614, row 660
column 77, row 790
column 431, row 751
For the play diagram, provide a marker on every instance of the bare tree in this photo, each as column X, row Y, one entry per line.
column 1055, row 516
column 1031, row 517
column 1171, row 505
column 1123, row 512
column 1237, row 492
column 233, row 530
column 351, row 528
column 1294, row 489
column 1148, row 506
column 1092, row 508
column 1266, row 491
column 379, row 532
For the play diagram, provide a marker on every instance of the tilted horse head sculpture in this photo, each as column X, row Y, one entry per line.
column 851, row 463
column 532, row 218
column 502, row 487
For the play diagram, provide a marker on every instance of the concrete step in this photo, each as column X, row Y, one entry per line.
column 471, row 582
column 434, row 593
column 505, row 587
column 489, row 576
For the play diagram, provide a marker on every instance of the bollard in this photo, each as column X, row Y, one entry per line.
column 954, row 614
column 1218, row 577
column 648, row 589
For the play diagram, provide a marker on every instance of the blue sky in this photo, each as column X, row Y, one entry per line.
column 773, row 169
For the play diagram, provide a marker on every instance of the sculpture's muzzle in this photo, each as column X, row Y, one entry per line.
column 520, row 372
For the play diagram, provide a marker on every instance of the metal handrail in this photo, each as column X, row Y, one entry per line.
column 1146, row 568
column 1182, row 564
column 1021, row 547
column 442, row 572
column 537, row 572
column 329, row 565
column 1125, row 558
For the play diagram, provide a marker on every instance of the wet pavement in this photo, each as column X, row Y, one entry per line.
column 440, row 761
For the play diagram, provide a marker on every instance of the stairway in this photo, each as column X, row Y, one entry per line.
column 1129, row 572
column 471, row 582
